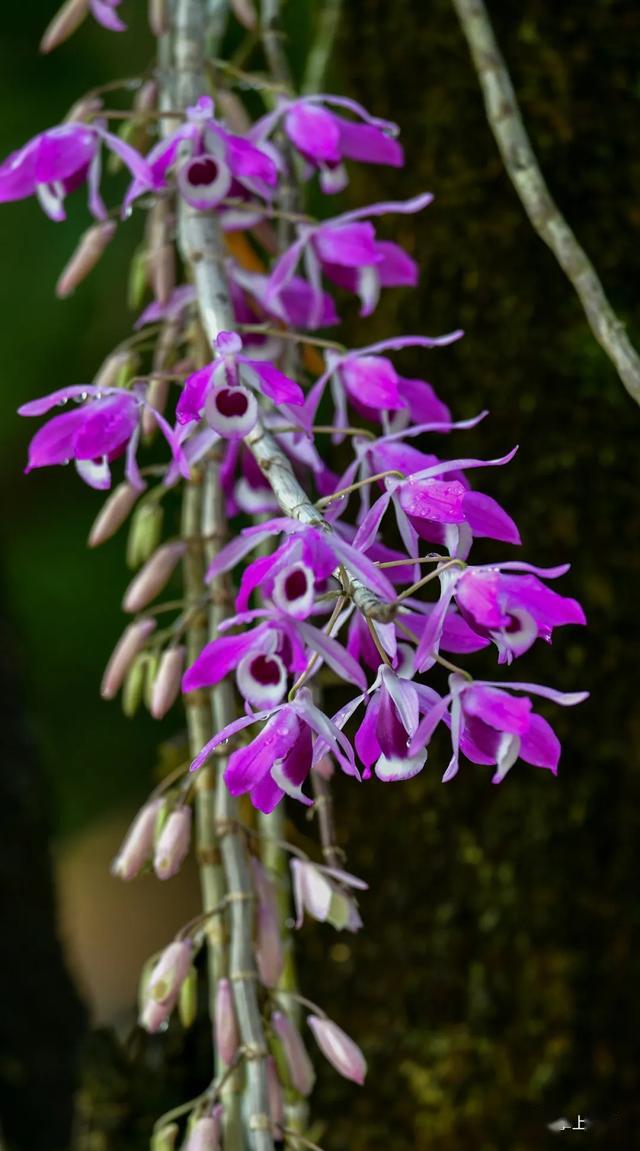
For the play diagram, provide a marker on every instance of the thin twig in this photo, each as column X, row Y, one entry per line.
column 341, row 492
column 524, row 172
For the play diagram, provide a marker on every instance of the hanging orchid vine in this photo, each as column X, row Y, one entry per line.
column 225, row 399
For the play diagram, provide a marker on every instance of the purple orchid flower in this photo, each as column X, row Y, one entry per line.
column 58, row 161
column 104, row 11
column 279, row 759
column 325, row 139
column 262, row 659
column 389, row 725
column 426, row 505
column 220, row 165
column 296, row 304
column 514, row 610
column 346, row 250
column 491, row 726
column 457, row 637
column 370, row 383
column 389, row 453
column 510, row 610
column 294, row 585
column 221, row 390
column 105, row 425
column 266, row 655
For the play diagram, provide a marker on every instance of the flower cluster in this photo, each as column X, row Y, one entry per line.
column 294, row 611
column 355, row 564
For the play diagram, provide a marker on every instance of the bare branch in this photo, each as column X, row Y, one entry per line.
column 524, row 172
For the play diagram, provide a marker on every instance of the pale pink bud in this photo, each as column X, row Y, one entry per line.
column 232, row 111
column 84, row 109
column 336, row 1046
column 151, row 578
column 137, row 847
column 162, row 268
column 225, row 1026
column 111, row 369
column 85, row 257
column 159, row 22
column 274, row 1089
column 299, row 1064
column 113, row 513
column 147, row 97
column 166, row 685
column 269, row 952
column 173, row 843
column 245, row 14
column 162, row 271
column 204, row 1134
column 157, row 396
column 131, row 642
column 161, row 992
column 64, row 24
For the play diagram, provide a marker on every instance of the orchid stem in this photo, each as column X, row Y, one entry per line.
column 326, row 500
column 427, row 579
column 302, row 679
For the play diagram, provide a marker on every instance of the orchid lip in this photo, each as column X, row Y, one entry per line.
column 232, row 412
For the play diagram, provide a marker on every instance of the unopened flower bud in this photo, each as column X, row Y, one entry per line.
column 276, row 1102
column 188, row 999
column 150, row 672
column 111, row 370
column 138, row 278
column 340, row 1051
column 137, row 847
column 163, row 986
column 166, row 685
column 269, row 952
column 245, row 13
column 225, row 1026
column 134, row 684
column 85, row 257
column 145, row 532
column 161, row 255
column 164, row 1139
column 84, row 109
column 159, row 21
column 153, row 576
column 297, row 1060
column 146, row 99
column 157, row 396
column 113, row 513
column 204, row 1134
column 173, row 843
column 131, row 642
column 65, row 22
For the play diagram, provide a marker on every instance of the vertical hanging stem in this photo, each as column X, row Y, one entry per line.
column 201, row 250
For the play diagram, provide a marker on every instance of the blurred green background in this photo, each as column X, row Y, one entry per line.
column 495, row 986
